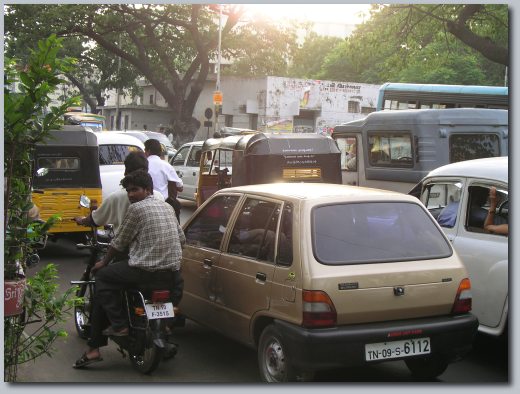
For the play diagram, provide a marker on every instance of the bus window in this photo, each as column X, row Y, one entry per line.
column 473, row 146
column 390, row 150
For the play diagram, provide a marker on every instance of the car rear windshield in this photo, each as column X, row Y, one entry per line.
column 374, row 232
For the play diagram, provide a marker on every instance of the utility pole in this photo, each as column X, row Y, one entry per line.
column 118, row 97
column 217, row 97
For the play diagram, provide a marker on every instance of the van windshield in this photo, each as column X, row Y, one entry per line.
column 375, row 232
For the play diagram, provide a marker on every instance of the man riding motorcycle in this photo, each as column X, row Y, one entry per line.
column 154, row 239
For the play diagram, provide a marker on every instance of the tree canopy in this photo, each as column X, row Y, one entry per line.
column 439, row 43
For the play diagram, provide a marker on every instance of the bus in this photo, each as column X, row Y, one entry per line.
column 399, row 96
column 394, row 150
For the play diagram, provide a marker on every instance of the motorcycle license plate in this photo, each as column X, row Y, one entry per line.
column 394, row 349
column 162, row 310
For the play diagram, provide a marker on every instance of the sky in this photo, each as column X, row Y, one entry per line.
column 323, row 13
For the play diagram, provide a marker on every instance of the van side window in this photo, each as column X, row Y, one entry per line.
column 473, row 146
column 348, row 148
column 208, row 228
column 390, row 150
column 254, row 234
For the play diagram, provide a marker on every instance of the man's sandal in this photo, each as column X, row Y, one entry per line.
column 83, row 361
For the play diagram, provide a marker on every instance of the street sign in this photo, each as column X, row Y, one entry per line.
column 217, row 98
column 208, row 113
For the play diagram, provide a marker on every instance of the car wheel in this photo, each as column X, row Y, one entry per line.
column 426, row 368
column 274, row 362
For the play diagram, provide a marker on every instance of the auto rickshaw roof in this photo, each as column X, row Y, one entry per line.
column 274, row 143
column 71, row 135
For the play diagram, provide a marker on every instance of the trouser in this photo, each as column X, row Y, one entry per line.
column 110, row 281
column 176, row 206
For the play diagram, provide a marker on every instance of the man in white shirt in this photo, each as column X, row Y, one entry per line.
column 114, row 207
column 164, row 176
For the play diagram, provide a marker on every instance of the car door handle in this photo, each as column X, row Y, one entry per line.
column 207, row 262
column 194, row 173
column 260, row 276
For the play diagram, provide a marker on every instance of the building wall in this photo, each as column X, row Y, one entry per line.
column 268, row 104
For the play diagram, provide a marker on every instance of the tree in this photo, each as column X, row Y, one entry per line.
column 96, row 70
column 413, row 43
column 308, row 59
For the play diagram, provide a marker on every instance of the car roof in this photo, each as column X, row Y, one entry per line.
column 107, row 137
column 196, row 143
column 495, row 168
column 315, row 191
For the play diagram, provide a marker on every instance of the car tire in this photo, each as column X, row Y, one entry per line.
column 427, row 368
column 274, row 361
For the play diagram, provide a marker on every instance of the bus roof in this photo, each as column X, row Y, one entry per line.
column 438, row 88
column 449, row 117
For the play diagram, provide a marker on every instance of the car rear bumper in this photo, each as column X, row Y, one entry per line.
column 313, row 349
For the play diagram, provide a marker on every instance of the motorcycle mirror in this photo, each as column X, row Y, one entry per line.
column 84, row 201
column 42, row 171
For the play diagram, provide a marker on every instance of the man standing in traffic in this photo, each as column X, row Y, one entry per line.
column 165, row 178
column 114, row 207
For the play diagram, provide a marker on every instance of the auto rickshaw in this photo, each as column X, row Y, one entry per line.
column 66, row 167
column 266, row 158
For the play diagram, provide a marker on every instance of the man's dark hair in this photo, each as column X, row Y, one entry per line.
column 153, row 146
column 139, row 178
column 136, row 161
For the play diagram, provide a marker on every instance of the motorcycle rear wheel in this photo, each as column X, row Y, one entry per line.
column 82, row 311
column 148, row 358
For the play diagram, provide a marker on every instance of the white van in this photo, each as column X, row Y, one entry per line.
column 113, row 149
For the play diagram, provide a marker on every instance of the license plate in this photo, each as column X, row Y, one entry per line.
column 159, row 311
column 395, row 349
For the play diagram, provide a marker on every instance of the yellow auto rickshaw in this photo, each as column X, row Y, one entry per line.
column 65, row 168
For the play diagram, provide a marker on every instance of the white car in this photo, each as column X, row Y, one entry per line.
column 113, row 149
column 465, row 187
column 187, row 164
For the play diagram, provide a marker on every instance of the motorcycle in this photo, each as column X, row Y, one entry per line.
column 150, row 311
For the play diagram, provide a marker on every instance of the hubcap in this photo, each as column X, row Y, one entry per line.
column 275, row 361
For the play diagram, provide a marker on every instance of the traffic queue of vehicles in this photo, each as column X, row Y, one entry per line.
column 315, row 274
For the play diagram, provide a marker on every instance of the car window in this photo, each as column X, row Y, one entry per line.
column 479, row 207
column 254, row 233
column 193, row 159
column 285, row 237
column 115, row 154
column 209, row 226
column 375, row 232
column 442, row 200
column 180, row 156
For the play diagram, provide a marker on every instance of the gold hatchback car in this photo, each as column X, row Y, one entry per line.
column 319, row 276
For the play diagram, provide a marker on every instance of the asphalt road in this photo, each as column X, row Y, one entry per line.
column 207, row 357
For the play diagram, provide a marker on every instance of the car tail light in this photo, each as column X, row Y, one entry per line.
column 160, row 296
column 318, row 309
column 463, row 299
